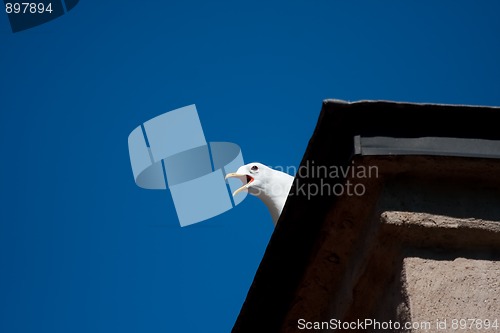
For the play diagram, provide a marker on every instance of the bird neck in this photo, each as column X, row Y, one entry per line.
column 274, row 205
column 275, row 195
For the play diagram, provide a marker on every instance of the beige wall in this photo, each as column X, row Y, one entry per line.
column 421, row 246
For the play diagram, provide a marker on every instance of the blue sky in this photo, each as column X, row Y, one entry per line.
column 82, row 248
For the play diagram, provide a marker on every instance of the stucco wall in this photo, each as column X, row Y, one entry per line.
column 460, row 291
column 421, row 246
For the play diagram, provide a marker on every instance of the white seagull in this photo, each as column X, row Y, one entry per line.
column 269, row 185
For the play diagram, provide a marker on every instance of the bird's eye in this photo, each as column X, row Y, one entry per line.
column 254, row 168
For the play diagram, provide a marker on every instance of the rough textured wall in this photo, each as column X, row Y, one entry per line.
column 450, row 290
column 418, row 247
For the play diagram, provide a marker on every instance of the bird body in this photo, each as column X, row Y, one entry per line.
column 269, row 185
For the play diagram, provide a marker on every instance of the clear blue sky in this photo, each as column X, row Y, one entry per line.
column 82, row 248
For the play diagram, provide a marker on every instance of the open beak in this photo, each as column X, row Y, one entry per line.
column 245, row 179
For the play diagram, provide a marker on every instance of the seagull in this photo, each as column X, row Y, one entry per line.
column 269, row 185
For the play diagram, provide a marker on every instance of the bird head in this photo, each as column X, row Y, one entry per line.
column 269, row 185
column 253, row 176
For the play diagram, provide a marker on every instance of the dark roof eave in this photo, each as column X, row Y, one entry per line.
column 334, row 143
